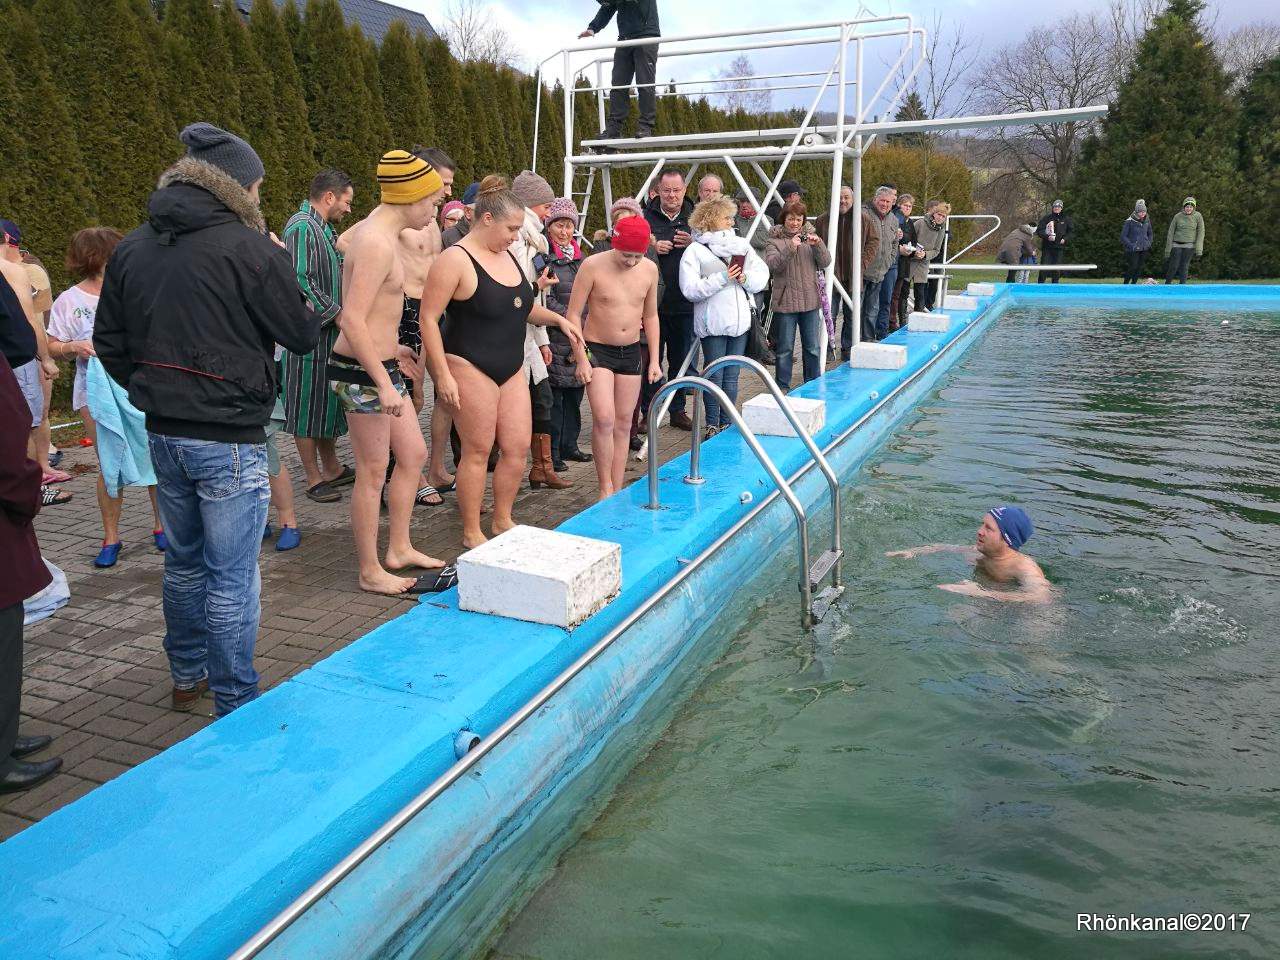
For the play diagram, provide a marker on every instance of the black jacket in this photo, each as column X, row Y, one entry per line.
column 562, row 369
column 17, row 339
column 673, row 302
column 636, row 18
column 192, row 306
column 1061, row 229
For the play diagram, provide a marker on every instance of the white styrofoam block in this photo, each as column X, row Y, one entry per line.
column 541, row 576
column 981, row 290
column 764, row 416
column 959, row 301
column 879, row 356
column 921, row 322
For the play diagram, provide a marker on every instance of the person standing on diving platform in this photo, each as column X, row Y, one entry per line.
column 636, row 19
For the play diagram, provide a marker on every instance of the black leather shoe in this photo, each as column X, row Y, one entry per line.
column 577, row 456
column 24, row 746
column 20, row 775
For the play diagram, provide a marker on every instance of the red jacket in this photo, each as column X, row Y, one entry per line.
column 22, row 572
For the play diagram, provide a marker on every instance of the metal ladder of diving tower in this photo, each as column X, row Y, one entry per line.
column 812, row 609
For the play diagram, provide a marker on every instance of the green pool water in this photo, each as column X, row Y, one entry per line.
column 934, row 776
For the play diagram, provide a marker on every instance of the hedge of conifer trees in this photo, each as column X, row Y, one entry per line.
column 93, row 93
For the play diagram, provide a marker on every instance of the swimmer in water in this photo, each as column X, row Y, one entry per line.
column 996, row 558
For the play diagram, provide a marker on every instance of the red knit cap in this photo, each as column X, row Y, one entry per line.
column 631, row 235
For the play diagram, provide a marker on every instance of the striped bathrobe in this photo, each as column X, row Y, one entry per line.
column 311, row 408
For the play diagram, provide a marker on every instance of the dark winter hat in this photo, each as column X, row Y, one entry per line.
column 1058, row 203
column 787, row 187
column 532, row 189
column 469, row 195
column 11, row 231
column 224, row 150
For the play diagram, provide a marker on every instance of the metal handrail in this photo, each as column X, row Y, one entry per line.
column 943, row 260
column 805, row 437
column 662, row 412
column 703, row 385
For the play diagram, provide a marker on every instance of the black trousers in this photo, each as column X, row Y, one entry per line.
column 640, row 64
column 10, row 679
column 540, row 400
column 1050, row 255
column 1133, row 261
column 566, row 420
column 1179, row 264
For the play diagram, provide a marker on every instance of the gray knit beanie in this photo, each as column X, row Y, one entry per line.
column 1140, row 207
column 630, row 204
column 224, row 150
column 532, row 190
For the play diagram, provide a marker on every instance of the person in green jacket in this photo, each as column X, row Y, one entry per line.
column 1184, row 240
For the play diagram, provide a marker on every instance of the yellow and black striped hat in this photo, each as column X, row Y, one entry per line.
column 405, row 178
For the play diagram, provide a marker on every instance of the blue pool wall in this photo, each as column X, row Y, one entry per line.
column 193, row 851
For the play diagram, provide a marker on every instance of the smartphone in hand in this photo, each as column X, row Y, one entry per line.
column 738, row 260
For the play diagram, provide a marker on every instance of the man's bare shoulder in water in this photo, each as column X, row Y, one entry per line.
column 997, row 559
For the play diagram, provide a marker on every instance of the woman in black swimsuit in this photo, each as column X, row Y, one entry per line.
column 476, row 357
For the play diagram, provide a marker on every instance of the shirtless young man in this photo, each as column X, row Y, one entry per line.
column 616, row 293
column 419, row 248
column 996, row 558
column 364, row 372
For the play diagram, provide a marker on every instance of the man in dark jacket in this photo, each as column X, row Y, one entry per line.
column 1136, row 239
column 25, row 574
column 1053, row 230
column 193, row 304
column 668, row 216
column 637, row 19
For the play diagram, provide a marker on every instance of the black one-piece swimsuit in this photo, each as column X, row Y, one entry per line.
column 488, row 328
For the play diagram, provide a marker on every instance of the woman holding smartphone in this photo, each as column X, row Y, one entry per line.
column 719, row 275
column 795, row 254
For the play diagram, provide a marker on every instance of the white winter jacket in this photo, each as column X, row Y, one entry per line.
column 524, row 248
column 721, row 307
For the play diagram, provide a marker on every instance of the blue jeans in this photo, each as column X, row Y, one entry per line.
column 784, row 334
column 886, row 299
column 213, row 498
column 726, row 378
column 870, row 309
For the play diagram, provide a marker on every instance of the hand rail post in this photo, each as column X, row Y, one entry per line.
column 702, row 385
column 805, row 437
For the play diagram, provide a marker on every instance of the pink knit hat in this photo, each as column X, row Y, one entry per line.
column 630, row 204
column 562, row 208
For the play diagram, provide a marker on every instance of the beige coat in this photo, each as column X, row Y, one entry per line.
column 795, row 271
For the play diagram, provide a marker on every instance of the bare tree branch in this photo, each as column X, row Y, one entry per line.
column 1247, row 47
column 740, row 90
column 944, row 81
column 472, row 33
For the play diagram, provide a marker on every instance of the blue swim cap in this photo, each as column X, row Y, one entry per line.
column 1015, row 526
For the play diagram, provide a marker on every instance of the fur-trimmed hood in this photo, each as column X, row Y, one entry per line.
column 175, row 210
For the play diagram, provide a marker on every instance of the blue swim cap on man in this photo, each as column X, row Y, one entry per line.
column 1015, row 526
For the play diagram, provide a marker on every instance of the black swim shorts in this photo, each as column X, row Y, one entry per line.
column 627, row 361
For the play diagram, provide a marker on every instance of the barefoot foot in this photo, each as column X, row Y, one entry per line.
column 385, row 583
column 502, row 525
column 472, row 540
column 403, row 559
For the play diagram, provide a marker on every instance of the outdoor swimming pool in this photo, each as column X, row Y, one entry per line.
column 934, row 775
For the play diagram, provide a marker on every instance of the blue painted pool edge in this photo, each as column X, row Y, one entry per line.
column 188, row 854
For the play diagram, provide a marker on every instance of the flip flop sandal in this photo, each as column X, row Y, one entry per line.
column 51, row 496
column 448, row 487
column 323, row 493
column 423, row 499
column 436, row 581
column 55, row 476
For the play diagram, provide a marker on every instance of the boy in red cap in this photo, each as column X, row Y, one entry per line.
column 616, row 293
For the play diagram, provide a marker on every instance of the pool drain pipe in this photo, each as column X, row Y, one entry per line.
column 465, row 742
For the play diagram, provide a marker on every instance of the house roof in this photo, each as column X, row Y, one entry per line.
column 374, row 16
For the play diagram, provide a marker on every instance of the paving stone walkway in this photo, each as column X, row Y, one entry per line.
column 95, row 673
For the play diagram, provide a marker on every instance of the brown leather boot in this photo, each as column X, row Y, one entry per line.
column 543, row 474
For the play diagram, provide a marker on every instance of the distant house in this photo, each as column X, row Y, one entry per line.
column 374, row 16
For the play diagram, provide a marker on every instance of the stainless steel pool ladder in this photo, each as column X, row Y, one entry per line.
column 829, row 563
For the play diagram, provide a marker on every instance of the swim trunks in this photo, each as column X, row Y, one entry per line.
column 354, row 387
column 626, row 361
